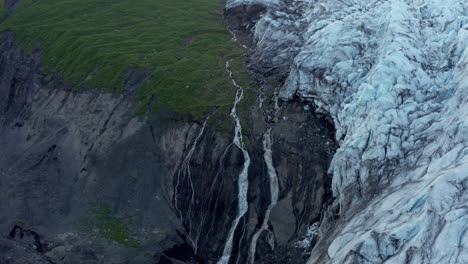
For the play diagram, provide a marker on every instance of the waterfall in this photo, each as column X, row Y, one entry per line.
column 185, row 170
column 243, row 180
column 272, row 177
column 274, row 193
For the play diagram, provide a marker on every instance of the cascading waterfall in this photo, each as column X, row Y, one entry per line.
column 272, row 177
column 274, row 193
column 243, row 180
column 185, row 170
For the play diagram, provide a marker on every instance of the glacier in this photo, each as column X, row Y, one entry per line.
column 393, row 76
column 266, row 3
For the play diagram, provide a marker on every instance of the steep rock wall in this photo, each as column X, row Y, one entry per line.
column 98, row 184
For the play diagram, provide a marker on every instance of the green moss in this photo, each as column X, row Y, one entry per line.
column 21, row 222
column 3, row 11
column 184, row 43
column 102, row 222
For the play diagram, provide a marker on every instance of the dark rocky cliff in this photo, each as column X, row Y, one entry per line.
column 94, row 183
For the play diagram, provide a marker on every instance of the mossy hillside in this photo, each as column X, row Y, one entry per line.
column 94, row 42
column 3, row 11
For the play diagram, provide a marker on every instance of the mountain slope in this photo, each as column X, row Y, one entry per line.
column 87, row 180
column 84, row 179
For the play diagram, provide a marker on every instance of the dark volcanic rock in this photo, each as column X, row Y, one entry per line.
column 64, row 153
column 243, row 17
column 12, row 252
column 11, row 4
column 302, row 156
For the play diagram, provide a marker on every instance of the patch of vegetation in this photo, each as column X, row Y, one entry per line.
column 3, row 10
column 106, row 225
column 21, row 222
column 92, row 43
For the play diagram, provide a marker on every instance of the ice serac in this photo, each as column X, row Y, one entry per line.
column 278, row 39
column 394, row 77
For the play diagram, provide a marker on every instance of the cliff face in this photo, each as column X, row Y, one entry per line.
column 66, row 153
column 88, row 181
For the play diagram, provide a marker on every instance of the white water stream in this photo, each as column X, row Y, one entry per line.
column 272, row 177
column 243, row 181
column 185, row 169
column 274, row 193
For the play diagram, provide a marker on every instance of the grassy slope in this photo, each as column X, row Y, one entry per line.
column 3, row 11
column 183, row 42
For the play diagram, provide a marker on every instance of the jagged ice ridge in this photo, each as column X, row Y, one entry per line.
column 393, row 76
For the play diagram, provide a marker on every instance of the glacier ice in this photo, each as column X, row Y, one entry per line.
column 393, row 75
column 268, row 3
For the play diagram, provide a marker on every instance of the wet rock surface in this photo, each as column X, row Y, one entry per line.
column 12, row 252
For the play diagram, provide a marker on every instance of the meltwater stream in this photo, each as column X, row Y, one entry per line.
column 274, row 193
column 185, row 170
column 272, row 177
column 243, row 181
